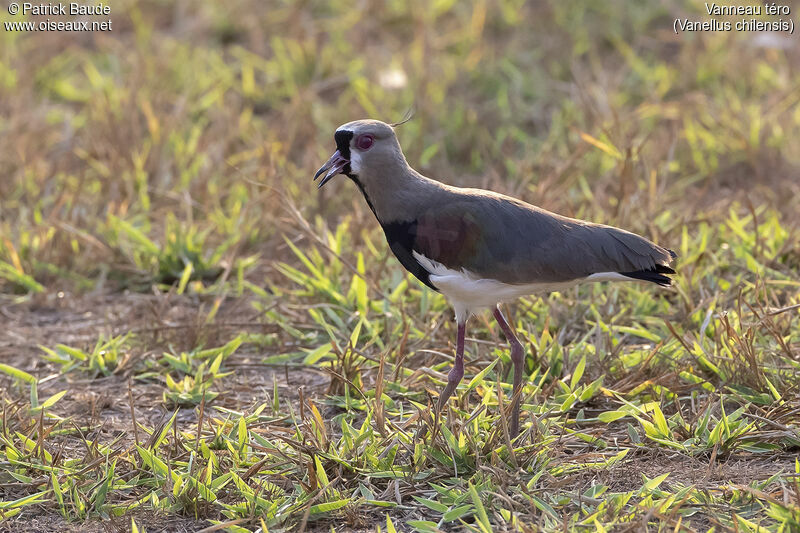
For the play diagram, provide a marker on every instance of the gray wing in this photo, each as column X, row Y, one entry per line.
column 499, row 237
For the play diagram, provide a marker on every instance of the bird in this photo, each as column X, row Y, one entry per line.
column 480, row 248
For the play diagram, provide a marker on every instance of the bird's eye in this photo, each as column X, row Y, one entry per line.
column 364, row 142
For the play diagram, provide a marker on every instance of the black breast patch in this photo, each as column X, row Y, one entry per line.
column 401, row 236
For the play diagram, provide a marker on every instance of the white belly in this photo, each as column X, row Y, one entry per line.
column 468, row 292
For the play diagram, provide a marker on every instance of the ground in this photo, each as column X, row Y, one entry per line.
column 196, row 339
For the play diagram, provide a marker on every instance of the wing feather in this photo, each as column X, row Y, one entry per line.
column 498, row 237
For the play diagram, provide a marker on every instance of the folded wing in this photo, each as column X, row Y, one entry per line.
column 497, row 237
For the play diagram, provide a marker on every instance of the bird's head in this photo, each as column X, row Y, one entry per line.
column 365, row 150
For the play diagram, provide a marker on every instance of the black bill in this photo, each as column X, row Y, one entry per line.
column 335, row 165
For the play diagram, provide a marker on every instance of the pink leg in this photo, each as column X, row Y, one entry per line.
column 457, row 372
column 518, row 359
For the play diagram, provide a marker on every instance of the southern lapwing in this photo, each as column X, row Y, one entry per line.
column 480, row 248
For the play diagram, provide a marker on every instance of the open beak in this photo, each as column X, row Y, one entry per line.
column 335, row 165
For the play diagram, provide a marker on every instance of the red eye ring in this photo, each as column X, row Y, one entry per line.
column 364, row 142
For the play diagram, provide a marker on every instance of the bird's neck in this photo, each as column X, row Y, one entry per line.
column 395, row 196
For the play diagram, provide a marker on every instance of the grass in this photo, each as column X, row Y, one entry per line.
column 194, row 337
